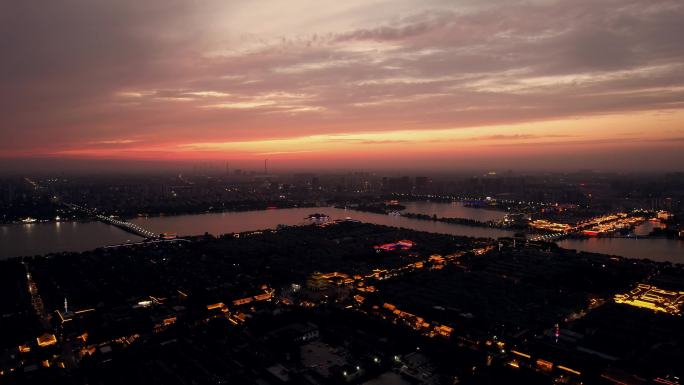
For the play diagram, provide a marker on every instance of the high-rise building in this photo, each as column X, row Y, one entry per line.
column 422, row 183
column 397, row 185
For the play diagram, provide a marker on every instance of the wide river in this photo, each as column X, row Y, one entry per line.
column 42, row 238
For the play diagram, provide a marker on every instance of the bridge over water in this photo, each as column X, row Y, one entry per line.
column 127, row 226
column 548, row 237
column 123, row 225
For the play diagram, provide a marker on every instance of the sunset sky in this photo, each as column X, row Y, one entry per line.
column 357, row 83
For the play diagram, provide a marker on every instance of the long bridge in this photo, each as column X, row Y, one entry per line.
column 127, row 226
column 123, row 225
column 548, row 237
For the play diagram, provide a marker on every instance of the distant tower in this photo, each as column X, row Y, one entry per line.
column 227, row 168
column 66, row 306
column 265, row 166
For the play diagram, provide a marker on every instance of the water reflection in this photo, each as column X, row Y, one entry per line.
column 453, row 210
column 221, row 223
column 649, row 248
column 42, row 238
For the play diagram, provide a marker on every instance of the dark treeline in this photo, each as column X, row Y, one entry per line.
column 458, row 221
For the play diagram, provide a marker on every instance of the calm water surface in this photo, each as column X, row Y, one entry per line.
column 49, row 237
column 42, row 238
column 233, row 222
column 453, row 210
column 650, row 248
column 660, row 250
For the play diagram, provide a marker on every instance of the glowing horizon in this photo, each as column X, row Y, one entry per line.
column 517, row 84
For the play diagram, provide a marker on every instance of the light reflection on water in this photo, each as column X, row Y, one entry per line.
column 42, row 238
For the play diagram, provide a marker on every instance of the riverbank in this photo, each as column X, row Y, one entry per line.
column 78, row 217
column 263, row 206
column 48, row 237
column 42, row 238
column 473, row 203
column 620, row 236
column 383, row 209
column 458, row 221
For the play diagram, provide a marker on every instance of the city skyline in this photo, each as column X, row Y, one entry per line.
column 435, row 85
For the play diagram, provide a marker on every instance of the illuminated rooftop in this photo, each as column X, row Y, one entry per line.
column 653, row 298
column 46, row 339
column 404, row 244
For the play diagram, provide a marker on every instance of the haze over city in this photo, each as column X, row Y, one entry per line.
column 347, row 192
column 434, row 85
